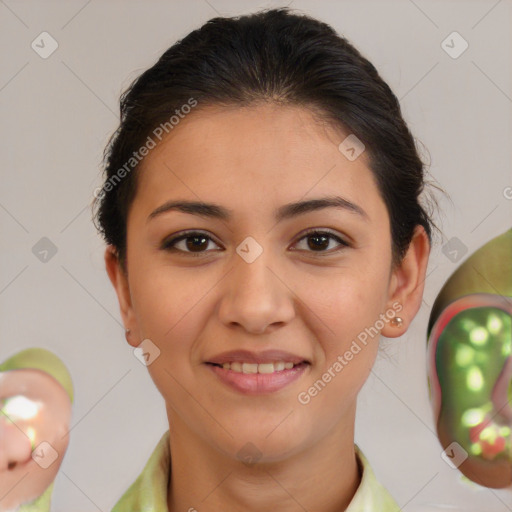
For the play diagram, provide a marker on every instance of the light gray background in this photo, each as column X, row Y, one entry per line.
column 57, row 114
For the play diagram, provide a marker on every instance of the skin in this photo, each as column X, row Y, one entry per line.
column 312, row 301
column 22, row 479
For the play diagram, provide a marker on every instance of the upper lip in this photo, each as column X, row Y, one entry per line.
column 267, row 356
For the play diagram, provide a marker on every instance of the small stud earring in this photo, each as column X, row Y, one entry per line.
column 127, row 331
column 397, row 321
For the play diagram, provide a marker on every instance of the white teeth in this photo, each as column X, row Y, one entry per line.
column 277, row 366
column 266, row 368
column 249, row 368
column 236, row 367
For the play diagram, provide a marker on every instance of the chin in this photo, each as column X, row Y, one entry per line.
column 263, row 445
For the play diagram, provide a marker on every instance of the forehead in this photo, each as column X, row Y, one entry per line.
column 276, row 153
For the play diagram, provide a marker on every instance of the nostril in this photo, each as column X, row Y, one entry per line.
column 11, row 465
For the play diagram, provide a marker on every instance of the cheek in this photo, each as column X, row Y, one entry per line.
column 172, row 308
column 344, row 314
column 345, row 302
column 168, row 303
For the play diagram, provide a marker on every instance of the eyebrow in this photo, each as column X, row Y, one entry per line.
column 286, row 211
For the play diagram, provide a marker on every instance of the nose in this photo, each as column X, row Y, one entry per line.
column 256, row 297
column 15, row 446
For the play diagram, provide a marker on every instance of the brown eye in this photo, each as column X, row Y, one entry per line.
column 194, row 242
column 318, row 241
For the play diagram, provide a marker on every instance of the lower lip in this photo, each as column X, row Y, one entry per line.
column 258, row 383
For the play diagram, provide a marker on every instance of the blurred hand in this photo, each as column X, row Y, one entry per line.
column 35, row 412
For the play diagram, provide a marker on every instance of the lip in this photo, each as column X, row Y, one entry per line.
column 258, row 383
column 267, row 356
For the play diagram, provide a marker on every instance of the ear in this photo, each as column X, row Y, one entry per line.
column 407, row 283
column 119, row 280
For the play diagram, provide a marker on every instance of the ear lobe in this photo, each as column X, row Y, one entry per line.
column 407, row 283
column 119, row 281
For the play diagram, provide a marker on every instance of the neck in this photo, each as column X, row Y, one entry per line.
column 323, row 477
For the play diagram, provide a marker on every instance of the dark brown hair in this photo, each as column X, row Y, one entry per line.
column 277, row 56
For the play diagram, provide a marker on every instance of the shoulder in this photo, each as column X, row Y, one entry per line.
column 371, row 494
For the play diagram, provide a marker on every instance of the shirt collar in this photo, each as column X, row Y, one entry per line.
column 148, row 493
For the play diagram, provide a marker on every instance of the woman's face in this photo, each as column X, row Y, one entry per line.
column 255, row 282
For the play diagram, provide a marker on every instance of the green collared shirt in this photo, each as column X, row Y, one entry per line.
column 148, row 493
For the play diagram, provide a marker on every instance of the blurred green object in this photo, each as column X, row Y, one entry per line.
column 487, row 270
column 46, row 361
column 469, row 364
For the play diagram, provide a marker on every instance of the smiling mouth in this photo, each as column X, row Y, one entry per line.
column 259, row 378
